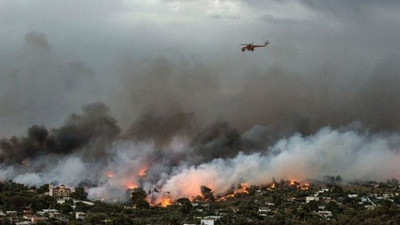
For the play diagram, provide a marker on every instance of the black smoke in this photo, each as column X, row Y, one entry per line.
column 94, row 126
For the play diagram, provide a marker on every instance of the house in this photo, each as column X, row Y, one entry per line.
column 12, row 216
column 11, row 213
column 264, row 210
column 370, row 207
column 36, row 219
column 80, row 215
column 207, row 222
column 87, row 203
column 352, row 195
column 327, row 199
column 2, row 216
column 325, row 214
column 27, row 214
column 51, row 213
column 62, row 200
column 24, row 223
column 312, row 198
column 324, row 190
column 212, row 217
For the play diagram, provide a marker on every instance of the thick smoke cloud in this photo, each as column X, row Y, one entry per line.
column 161, row 128
column 353, row 155
column 94, row 129
column 276, row 97
column 218, row 157
column 38, row 87
column 184, row 107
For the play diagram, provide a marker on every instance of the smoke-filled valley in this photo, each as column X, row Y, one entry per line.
column 171, row 120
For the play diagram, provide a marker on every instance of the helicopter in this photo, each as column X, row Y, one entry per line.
column 251, row 46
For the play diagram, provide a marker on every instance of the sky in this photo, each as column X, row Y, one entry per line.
column 57, row 56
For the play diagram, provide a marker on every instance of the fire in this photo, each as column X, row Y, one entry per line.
column 166, row 199
column 131, row 186
column 142, row 172
column 305, row 186
column 299, row 185
column 166, row 202
column 244, row 189
column 109, row 174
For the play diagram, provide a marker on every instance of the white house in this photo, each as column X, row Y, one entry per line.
column 80, row 215
column 325, row 214
column 207, row 222
column 212, row 217
column 264, row 210
column 24, row 223
column 312, row 198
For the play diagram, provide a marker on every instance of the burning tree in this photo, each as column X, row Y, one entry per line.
column 207, row 193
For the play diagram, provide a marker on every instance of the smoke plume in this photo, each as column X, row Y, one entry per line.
column 182, row 124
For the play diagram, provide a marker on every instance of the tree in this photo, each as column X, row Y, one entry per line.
column 337, row 189
column 42, row 189
column 338, row 179
column 183, row 200
column 207, row 193
column 6, row 221
column 142, row 204
column 79, row 193
column 186, row 207
column 121, row 220
column 65, row 209
column 96, row 218
column 138, row 197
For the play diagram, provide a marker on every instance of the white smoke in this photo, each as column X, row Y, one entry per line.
column 352, row 154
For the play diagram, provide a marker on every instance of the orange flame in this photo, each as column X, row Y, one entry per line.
column 142, row 172
column 166, row 202
column 244, row 188
column 109, row 174
column 166, row 199
column 305, row 186
column 131, row 185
